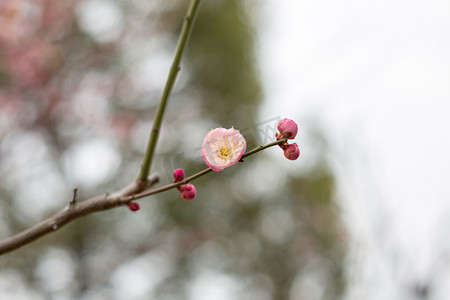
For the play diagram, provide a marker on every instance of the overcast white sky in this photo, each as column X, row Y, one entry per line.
column 375, row 76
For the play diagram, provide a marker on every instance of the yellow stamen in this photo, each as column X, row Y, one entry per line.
column 224, row 152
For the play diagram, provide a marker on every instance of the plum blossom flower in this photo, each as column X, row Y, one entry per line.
column 223, row 148
column 188, row 192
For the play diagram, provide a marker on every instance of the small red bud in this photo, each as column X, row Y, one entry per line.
column 188, row 191
column 292, row 151
column 133, row 206
column 288, row 128
column 178, row 175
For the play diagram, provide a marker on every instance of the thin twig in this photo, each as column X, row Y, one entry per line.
column 192, row 177
column 174, row 69
column 75, row 197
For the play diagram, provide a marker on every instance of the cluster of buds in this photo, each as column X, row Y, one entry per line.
column 288, row 130
column 224, row 147
column 187, row 191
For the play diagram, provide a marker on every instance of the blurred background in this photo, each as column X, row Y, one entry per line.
column 362, row 214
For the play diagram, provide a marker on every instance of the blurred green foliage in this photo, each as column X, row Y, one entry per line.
column 222, row 51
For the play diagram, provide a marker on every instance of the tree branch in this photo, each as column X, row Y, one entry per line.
column 77, row 209
column 74, row 210
column 174, row 69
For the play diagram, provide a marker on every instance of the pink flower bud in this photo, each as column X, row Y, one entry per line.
column 133, row 206
column 287, row 128
column 188, row 192
column 292, row 151
column 178, row 175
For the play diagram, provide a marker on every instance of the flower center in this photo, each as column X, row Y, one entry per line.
column 224, row 152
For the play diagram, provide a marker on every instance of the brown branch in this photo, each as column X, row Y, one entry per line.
column 74, row 210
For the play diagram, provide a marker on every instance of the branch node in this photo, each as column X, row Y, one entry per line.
column 54, row 226
column 75, row 197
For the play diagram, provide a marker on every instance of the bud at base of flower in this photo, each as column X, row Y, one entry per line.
column 188, row 191
column 279, row 136
column 292, row 151
column 283, row 145
column 178, row 175
column 288, row 128
column 133, row 206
